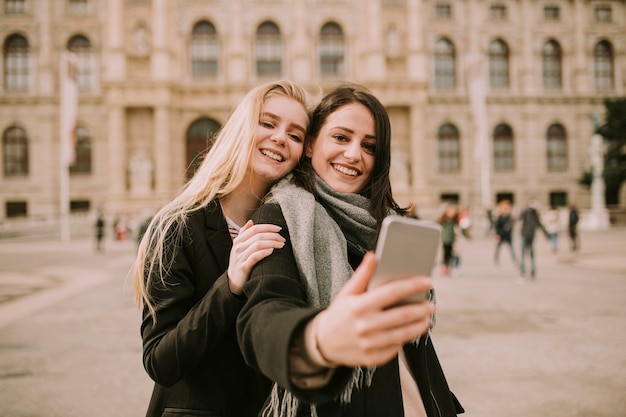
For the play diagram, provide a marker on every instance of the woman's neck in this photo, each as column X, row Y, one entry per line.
column 241, row 203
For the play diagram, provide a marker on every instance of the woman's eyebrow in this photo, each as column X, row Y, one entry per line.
column 277, row 117
column 346, row 129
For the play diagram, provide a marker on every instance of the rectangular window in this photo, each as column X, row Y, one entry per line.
column 449, row 198
column 503, row 196
column 15, row 209
column 497, row 12
column 503, row 156
column 551, row 13
column 15, row 7
column 443, row 11
column 558, row 199
column 557, row 155
column 79, row 7
column 603, row 14
column 79, row 206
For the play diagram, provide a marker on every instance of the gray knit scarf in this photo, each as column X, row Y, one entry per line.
column 321, row 230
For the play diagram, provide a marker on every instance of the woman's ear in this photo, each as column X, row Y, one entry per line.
column 309, row 151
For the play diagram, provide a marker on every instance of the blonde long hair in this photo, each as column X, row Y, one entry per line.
column 220, row 173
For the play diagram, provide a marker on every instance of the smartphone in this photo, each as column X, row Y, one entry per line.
column 406, row 247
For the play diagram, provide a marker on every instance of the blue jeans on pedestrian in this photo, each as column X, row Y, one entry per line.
column 508, row 242
column 527, row 245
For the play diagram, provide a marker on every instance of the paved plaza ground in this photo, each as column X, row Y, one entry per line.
column 555, row 347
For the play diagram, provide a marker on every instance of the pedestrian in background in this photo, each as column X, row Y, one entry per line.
column 503, row 226
column 573, row 219
column 100, row 225
column 465, row 227
column 449, row 221
column 552, row 221
column 530, row 223
column 196, row 255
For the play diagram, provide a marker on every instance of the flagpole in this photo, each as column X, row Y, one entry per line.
column 477, row 88
column 68, row 105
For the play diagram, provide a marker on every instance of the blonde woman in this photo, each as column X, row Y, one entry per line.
column 198, row 251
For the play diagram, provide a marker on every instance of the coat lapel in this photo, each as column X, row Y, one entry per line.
column 217, row 237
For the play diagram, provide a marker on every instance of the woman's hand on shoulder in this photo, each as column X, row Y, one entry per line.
column 254, row 242
column 368, row 327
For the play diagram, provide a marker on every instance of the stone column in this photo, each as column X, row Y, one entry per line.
column 581, row 63
column 117, row 152
column 302, row 48
column 237, row 68
column 160, row 64
column 162, row 152
column 114, row 41
column 375, row 58
column 416, row 62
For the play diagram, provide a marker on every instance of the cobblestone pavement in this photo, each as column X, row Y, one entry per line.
column 70, row 345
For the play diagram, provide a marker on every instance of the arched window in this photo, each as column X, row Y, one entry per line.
column 445, row 65
column 448, row 148
column 503, row 150
column 198, row 141
column 551, row 64
column 268, row 50
column 498, row 64
column 204, row 50
column 82, row 165
column 81, row 47
column 16, row 63
column 603, row 65
column 15, row 152
column 556, row 148
column 331, row 50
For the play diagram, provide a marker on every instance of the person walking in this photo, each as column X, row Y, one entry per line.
column 573, row 219
column 552, row 221
column 449, row 221
column 100, row 225
column 331, row 346
column 503, row 227
column 530, row 223
column 196, row 255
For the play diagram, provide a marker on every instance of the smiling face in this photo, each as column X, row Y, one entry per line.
column 279, row 139
column 343, row 153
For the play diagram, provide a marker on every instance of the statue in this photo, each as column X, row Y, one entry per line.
column 140, row 171
column 598, row 217
column 141, row 42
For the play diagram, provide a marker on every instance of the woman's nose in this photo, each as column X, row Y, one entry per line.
column 353, row 151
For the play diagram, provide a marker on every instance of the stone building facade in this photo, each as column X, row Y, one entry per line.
column 489, row 99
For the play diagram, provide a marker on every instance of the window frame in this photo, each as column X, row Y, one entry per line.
column 448, row 148
column 444, row 64
column 331, row 50
column 204, row 50
column 268, row 48
column 15, row 152
column 556, row 148
column 16, row 54
column 499, row 64
column 503, row 148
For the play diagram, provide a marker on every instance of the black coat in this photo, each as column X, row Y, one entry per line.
column 277, row 309
column 191, row 352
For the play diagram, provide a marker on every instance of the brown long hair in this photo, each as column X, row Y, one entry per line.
column 378, row 186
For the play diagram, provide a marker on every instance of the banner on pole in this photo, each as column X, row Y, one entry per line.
column 69, row 108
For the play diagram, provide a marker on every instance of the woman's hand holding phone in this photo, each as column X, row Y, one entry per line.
column 367, row 327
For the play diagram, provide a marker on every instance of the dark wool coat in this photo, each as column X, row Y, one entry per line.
column 191, row 352
column 277, row 310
